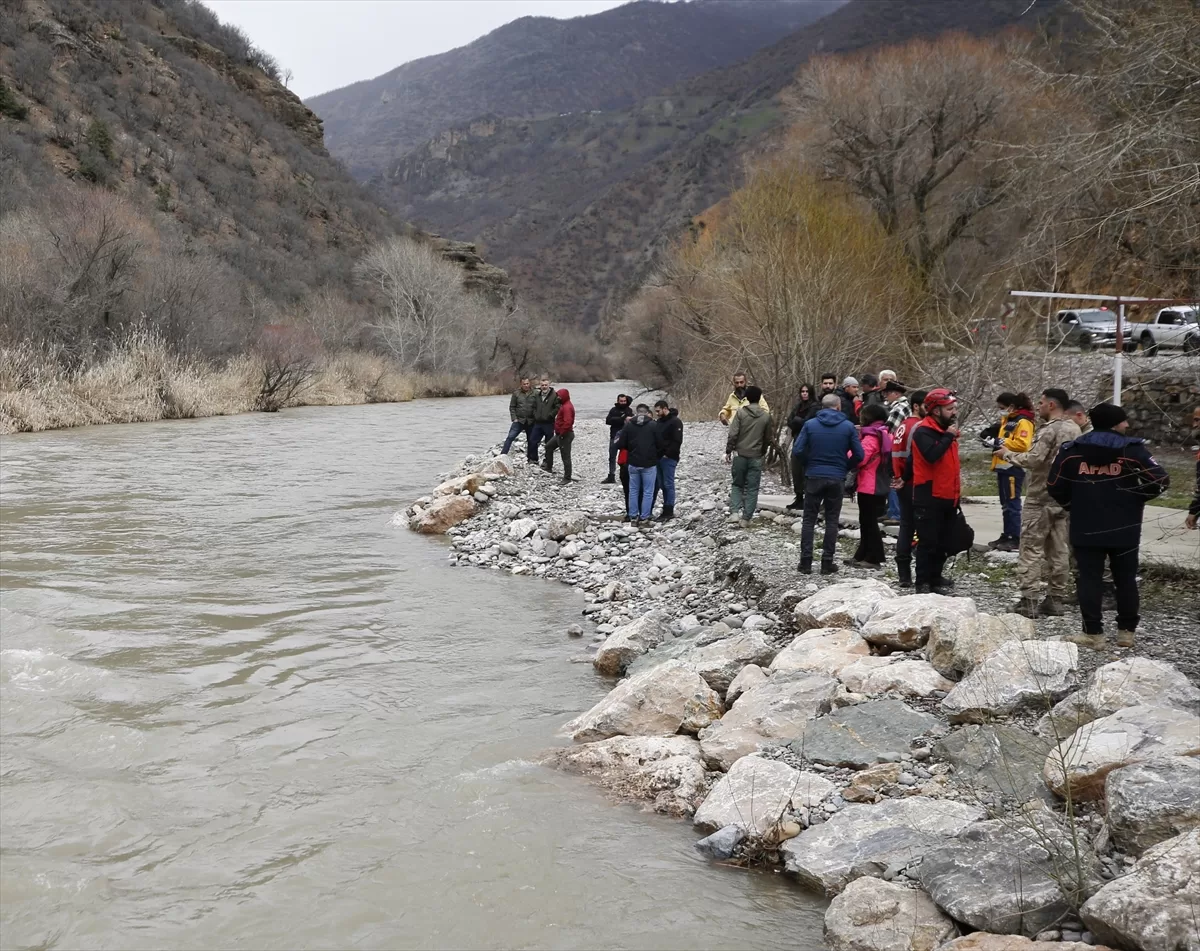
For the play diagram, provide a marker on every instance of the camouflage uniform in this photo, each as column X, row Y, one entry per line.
column 1045, row 549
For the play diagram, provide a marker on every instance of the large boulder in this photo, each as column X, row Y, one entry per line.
column 848, row 604
column 756, row 792
column 443, row 514
column 469, row 484
column 1018, row 675
column 863, row 734
column 905, row 623
column 1154, row 801
column 1003, row 876
column 751, row 676
column 1002, row 757
column 773, row 711
column 566, row 523
column 1156, row 907
column 896, row 675
column 867, row 840
column 956, row 650
column 629, row 642
column 663, row 770
column 874, row 915
column 720, row 662
column 495, row 468
column 671, row 698
column 1081, row 762
column 982, row 941
column 1130, row 682
column 825, row 650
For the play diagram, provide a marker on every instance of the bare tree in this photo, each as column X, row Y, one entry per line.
column 288, row 358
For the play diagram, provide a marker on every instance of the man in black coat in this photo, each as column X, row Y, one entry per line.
column 1104, row 479
column 620, row 413
column 642, row 439
column 545, row 408
column 670, row 428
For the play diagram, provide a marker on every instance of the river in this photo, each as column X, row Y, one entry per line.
column 238, row 708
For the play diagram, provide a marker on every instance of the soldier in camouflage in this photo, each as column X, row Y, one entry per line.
column 1045, row 551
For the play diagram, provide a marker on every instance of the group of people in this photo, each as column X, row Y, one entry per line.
column 897, row 452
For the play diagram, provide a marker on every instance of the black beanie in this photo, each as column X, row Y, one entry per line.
column 1107, row 416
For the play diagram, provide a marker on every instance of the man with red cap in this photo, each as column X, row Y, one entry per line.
column 937, row 487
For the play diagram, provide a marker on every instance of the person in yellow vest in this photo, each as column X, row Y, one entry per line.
column 737, row 399
column 1015, row 433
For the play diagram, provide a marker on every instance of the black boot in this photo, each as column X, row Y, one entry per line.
column 668, row 513
column 904, row 570
column 609, row 481
column 828, row 568
column 805, row 567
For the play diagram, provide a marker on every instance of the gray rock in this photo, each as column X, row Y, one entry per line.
column 1154, row 907
column 1154, row 801
column 568, row 523
column 870, row 915
column 897, row 676
column 905, row 623
column 756, row 793
column 575, row 630
column 863, row 734
column 750, row 676
column 822, row 651
column 631, row 641
column 508, row 548
column 721, row 844
column 1001, row 757
column 956, row 650
column 719, row 663
column 1018, row 675
column 866, row 840
column 848, row 604
column 1002, row 876
column 520, row 528
column 1130, row 682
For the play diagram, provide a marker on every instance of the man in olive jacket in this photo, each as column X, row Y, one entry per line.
column 520, row 413
column 749, row 436
column 545, row 408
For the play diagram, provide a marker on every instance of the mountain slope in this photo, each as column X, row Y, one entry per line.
column 536, row 66
column 574, row 207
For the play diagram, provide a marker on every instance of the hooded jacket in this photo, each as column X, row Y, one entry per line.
column 670, row 432
column 520, row 407
column 545, row 407
column 1051, row 437
column 1107, row 479
column 875, row 470
column 564, row 419
column 616, row 419
column 750, row 431
column 1016, row 433
column 829, row 446
column 642, row 438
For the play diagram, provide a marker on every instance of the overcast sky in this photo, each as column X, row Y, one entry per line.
column 331, row 43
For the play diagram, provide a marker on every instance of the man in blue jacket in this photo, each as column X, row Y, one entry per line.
column 828, row 444
column 1104, row 479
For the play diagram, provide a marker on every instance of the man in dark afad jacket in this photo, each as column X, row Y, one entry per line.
column 520, row 413
column 1104, row 479
column 616, row 419
column 937, row 488
column 545, row 408
column 643, row 441
column 670, row 428
column 829, row 445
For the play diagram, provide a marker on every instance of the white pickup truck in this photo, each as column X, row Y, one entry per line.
column 1177, row 326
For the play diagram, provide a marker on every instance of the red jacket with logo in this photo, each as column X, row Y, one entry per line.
column 936, row 472
column 902, row 449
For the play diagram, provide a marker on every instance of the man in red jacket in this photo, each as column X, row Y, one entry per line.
column 902, row 482
column 937, row 486
column 564, row 435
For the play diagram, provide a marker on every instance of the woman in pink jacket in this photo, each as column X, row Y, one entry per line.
column 874, row 482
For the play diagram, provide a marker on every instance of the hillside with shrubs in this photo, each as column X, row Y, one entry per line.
column 170, row 219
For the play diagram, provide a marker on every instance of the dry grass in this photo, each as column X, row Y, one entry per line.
column 140, row 380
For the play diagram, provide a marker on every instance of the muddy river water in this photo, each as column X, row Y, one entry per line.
column 239, row 709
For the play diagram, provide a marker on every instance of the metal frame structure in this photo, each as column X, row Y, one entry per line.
column 1120, row 301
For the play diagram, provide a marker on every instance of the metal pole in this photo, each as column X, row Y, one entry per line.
column 1118, row 359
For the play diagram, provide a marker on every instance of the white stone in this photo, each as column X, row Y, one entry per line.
column 663, row 770
column 896, row 677
column 823, row 650
column 1130, row 682
column 568, row 523
column 521, row 528
column 751, row 676
column 956, row 650
column 848, row 604
column 629, row 642
column 755, row 794
column 874, row 915
column 905, row 623
column 667, row 699
column 720, row 662
column 1150, row 802
column 1017, row 675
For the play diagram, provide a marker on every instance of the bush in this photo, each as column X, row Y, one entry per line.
column 9, row 105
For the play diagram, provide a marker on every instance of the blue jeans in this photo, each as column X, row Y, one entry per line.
column 514, row 431
column 537, row 433
column 666, row 481
column 893, row 505
column 1010, row 482
column 641, row 491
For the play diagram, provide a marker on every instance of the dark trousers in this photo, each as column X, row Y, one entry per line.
column 561, row 442
column 537, row 433
column 933, row 523
column 1090, row 590
column 904, row 538
column 798, row 480
column 612, row 453
column 817, row 493
column 514, row 431
column 1010, row 481
column 870, row 542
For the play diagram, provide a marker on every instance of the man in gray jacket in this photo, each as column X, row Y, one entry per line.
column 520, row 412
column 750, row 434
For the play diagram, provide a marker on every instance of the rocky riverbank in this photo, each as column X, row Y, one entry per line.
column 934, row 765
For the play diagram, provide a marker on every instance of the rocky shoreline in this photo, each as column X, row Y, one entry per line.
column 949, row 775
